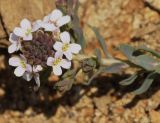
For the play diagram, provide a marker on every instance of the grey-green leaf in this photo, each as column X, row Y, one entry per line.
column 157, row 70
column 127, row 50
column 69, row 73
column 114, row 68
column 93, row 77
column 153, row 52
column 98, row 54
column 147, row 62
column 64, row 85
column 101, row 41
column 146, row 84
column 129, row 80
column 78, row 31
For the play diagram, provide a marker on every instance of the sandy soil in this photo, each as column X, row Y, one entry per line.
column 105, row 101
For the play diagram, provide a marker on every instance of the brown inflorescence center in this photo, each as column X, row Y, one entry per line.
column 39, row 49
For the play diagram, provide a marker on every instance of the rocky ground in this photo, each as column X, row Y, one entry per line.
column 119, row 21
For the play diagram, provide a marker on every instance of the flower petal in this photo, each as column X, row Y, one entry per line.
column 58, row 46
column 58, row 54
column 25, row 24
column 29, row 68
column 18, row 46
column 49, row 27
column 19, row 71
column 12, row 48
column 37, row 68
column 23, row 58
column 57, row 70
column 46, row 18
column 37, row 79
column 64, row 20
column 65, row 37
column 14, row 61
column 19, row 32
column 36, row 25
column 66, row 63
column 13, row 38
column 55, row 15
column 50, row 61
column 68, row 55
column 28, row 37
column 27, row 76
column 75, row 48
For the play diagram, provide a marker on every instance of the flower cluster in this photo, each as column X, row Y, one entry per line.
column 40, row 44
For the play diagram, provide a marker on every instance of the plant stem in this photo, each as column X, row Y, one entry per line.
column 104, row 61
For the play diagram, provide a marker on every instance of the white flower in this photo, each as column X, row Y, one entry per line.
column 66, row 47
column 55, row 20
column 56, row 34
column 21, row 64
column 37, row 25
column 33, row 73
column 57, row 62
column 15, row 43
column 25, row 31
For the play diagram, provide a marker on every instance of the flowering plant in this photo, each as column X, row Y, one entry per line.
column 57, row 42
column 41, row 44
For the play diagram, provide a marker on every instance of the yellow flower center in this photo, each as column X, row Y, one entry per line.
column 23, row 64
column 65, row 47
column 57, row 61
column 28, row 31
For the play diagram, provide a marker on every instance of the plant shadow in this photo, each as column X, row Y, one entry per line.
column 20, row 95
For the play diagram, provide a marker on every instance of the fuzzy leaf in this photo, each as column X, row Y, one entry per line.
column 101, row 41
column 93, row 77
column 129, row 80
column 127, row 51
column 78, row 31
column 144, row 61
column 64, row 85
column 98, row 54
column 157, row 70
column 69, row 73
column 114, row 68
column 157, row 54
column 147, row 62
column 146, row 84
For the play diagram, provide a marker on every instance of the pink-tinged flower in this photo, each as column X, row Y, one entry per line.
column 33, row 73
column 57, row 63
column 21, row 65
column 37, row 25
column 25, row 31
column 15, row 43
column 55, row 20
column 65, row 47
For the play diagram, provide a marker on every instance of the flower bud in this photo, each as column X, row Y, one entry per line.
column 39, row 49
column 88, row 65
